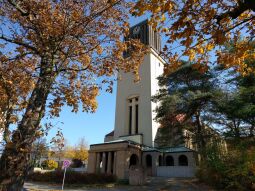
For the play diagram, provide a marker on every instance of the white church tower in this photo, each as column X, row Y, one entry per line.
column 134, row 114
column 132, row 141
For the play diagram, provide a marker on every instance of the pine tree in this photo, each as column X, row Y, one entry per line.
column 185, row 99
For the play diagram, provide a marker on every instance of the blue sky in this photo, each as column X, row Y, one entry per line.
column 92, row 127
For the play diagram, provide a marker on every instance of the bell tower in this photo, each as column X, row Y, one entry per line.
column 134, row 114
column 147, row 35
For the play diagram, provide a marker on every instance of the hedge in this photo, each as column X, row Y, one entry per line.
column 71, row 177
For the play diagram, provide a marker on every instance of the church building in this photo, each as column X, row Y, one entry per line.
column 133, row 140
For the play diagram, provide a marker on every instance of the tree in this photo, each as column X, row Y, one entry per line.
column 39, row 148
column 228, row 112
column 186, row 96
column 57, row 149
column 15, row 85
column 246, row 93
column 78, row 153
column 236, row 109
column 81, row 150
column 70, row 47
column 199, row 29
column 50, row 164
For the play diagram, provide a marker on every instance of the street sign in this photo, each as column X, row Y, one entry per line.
column 66, row 164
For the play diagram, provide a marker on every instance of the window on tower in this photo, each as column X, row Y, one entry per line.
column 133, row 115
column 136, row 118
column 130, row 120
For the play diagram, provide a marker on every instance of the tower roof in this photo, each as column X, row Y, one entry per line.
column 145, row 33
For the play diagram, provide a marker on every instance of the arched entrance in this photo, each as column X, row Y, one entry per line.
column 160, row 160
column 148, row 161
column 183, row 160
column 133, row 160
column 169, row 161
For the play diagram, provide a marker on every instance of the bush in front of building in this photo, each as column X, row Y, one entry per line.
column 71, row 177
column 76, row 163
column 49, row 164
column 233, row 171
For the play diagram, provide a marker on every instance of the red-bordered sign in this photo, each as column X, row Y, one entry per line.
column 66, row 163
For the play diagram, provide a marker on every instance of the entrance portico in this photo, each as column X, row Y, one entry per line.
column 114, row 157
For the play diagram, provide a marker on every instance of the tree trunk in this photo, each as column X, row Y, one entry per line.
column 14, row 163
column 252, row 128
column 200, row 136
column 236, row 129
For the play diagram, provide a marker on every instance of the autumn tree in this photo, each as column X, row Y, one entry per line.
column 78, row 153
column 198, row 29
column 66, row 50
column 15, row 85
column 81, row 150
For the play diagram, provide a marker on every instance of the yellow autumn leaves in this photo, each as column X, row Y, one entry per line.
column 199, row 30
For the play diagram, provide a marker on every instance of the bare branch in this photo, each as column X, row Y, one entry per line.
column 18, row 43
column 18, row 7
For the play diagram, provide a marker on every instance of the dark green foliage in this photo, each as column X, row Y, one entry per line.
column 71, row 177
column 186, row 96
column 76, row 163
column 236, row 109
column 228, row 105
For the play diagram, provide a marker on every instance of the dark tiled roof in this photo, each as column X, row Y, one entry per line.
column 176, row 149
column 151, row 149
column 167, row 149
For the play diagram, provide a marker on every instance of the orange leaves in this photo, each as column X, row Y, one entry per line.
column 99, row 50
column 88, row 97
column 197, row 28
column 85, row 59
column 81, row 41
column 79, row 151
column 240, row 58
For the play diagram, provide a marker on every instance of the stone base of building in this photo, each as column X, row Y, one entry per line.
column 116, row 157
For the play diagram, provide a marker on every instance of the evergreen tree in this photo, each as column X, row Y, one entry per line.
column 236, row 109
column 185, row 100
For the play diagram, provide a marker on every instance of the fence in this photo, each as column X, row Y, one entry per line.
column 176, row 171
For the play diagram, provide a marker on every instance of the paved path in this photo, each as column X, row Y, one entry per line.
column 153, row 184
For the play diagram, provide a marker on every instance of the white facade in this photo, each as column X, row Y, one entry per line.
column 131, row 94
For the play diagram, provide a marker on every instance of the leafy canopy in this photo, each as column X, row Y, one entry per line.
column 198, row 29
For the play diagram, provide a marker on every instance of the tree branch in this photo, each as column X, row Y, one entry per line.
column 238, row 10
column 18, row 7
column 72, row 69
column 18, row 43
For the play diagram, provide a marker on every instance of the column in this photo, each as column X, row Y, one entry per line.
column 150, row 35
column 109, row 165
column 133, row 116
column 97, row 162
column 92, row 162
column 104, row 161
column 114, row 162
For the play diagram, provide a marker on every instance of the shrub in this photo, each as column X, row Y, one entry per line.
column 72, row 177
column 76, row 163
column 49, row 164
column 233, row 171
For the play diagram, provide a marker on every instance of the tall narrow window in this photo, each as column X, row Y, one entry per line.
column 130, row 119
column 136, row 118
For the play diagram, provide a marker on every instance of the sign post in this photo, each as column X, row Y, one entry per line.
column 66, row 164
